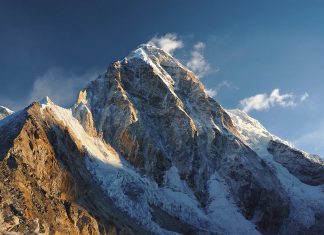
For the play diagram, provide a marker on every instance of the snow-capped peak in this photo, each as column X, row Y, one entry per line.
column 158, row 56
column 4, row 112
column 139, row 53
column 5, row 109
column 149, row 54
column 147, row 50
column 45, row 101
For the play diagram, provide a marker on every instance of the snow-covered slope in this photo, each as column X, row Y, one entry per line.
column 4, row 112
column 307, row 201
column 252, row 132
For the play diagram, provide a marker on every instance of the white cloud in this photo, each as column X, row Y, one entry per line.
column 304, row 97
column 61, row 86
column 169, row 42
column 199, row 46
column 197, row 62
column 212, row 92
column 265, row 101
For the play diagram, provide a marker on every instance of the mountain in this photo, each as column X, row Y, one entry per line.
column 144, row 150
column 4, row 112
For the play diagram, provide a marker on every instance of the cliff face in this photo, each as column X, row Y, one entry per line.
column 145, row 151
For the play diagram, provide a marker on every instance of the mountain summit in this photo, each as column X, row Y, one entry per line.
column 4, row 112
column 144, row 150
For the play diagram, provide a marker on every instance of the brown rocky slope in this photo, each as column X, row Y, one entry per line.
column 46, row 189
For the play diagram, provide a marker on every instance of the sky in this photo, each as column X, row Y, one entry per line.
column 265, row 57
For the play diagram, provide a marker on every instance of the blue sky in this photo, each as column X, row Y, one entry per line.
column 247, row 49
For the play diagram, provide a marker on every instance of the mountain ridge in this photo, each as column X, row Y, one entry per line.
column 144, row 150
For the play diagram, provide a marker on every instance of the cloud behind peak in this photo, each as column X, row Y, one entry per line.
column 266, row 101
column 168, row 42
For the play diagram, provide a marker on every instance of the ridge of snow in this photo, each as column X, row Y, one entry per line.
column 5, row 112
column 94, row 146
column 254, row 133
column 6, row 109
column 141, row 53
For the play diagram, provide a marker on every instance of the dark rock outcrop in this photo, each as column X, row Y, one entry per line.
column 306, row 167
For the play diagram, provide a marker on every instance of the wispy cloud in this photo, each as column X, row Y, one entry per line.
column 61, row 86
column 168, row 42
column 212, row 92
column 197, row 63
column 265, row 101
column 304, row 97
column 313, row 140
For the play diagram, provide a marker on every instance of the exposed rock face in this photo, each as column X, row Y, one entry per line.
column 45, row 187
column 4, row 112
column 83, row 114
column 306, row 167
column 145, row 151
column 156, row 114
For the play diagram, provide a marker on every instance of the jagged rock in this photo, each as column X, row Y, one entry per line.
column 83, row 114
